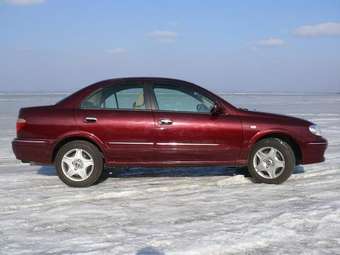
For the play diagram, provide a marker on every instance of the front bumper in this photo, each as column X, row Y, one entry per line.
column 313, row 152
column 33, row 150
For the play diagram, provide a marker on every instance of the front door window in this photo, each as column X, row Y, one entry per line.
column 181, row 100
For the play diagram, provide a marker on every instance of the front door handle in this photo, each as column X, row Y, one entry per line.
column 90, row 119
column 165, row 122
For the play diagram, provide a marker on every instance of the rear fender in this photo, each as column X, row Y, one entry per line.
column 78, row 135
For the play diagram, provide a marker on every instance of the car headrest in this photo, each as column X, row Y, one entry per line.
column 139, row 101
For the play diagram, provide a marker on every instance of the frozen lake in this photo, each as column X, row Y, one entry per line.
column 174, row 211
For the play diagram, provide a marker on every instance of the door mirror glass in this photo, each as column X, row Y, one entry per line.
column 216, row 110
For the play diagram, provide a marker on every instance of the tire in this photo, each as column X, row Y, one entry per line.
column 79, row 164
column 271, row 161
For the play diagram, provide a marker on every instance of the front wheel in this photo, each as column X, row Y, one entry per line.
column 79, row 164
column 271, row 161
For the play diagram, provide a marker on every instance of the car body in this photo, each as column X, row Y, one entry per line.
column 153, row 122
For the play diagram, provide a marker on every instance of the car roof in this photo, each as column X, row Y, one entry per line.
column 75, row 99
column 142, row 79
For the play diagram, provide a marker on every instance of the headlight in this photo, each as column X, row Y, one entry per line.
column 315, row 130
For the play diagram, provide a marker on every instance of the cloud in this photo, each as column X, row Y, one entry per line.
column 271, row 42
column 24, row 2
column 163, row 35
column 115, row 51
column 321, row 29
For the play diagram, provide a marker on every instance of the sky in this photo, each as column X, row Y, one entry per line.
column 225, row 46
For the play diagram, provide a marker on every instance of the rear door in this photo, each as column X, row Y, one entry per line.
column 186, row 131
column 120, row 116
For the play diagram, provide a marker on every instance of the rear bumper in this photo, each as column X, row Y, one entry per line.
column 33, row 150
column 313, row 152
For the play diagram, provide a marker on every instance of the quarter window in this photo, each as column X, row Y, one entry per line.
column 131, row 98
column 178, row 100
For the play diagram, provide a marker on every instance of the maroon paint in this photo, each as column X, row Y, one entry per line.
column 192, row 139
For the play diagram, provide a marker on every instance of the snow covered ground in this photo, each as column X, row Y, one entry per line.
column 174, row 211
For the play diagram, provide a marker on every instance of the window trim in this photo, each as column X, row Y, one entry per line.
column 178, row 87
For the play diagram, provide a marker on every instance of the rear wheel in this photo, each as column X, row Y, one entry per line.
column 271, row 161
column 79, row 164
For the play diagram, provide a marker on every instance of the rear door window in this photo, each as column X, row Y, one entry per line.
column 119, row 98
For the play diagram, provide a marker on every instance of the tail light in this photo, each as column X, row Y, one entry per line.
column 21, row 123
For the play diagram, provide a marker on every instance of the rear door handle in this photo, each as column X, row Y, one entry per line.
column 90, row 119
column 165, row 122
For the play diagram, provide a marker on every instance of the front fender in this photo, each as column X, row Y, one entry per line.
column 263, row 133
column 251, row 137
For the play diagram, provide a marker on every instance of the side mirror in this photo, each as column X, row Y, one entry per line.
column 216, row 110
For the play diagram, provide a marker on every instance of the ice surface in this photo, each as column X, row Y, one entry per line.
column 179, row 210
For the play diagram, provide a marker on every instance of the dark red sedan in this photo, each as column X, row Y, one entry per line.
column 161, row 122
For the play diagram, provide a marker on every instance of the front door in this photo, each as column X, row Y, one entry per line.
column 121, row 118
column 186, row 131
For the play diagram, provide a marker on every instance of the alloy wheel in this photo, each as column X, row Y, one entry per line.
column 77, row 164
column 269, row 162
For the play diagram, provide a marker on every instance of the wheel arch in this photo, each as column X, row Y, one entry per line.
column 284, row 137
column 80, row 137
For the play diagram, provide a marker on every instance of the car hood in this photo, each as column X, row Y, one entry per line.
column 277, row 118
